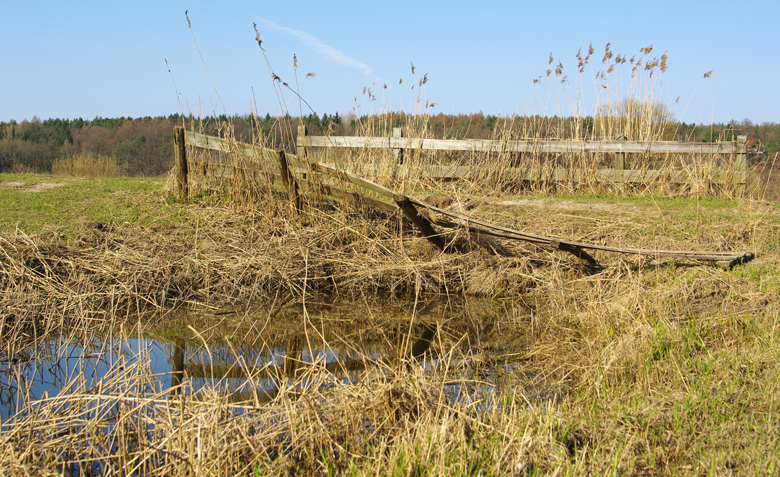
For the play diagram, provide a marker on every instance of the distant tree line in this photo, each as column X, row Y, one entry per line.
column 144, row 146
column 140, row 147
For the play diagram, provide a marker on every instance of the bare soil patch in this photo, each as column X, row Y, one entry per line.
column 10, row 184
column 42, row 186
column 37, row 187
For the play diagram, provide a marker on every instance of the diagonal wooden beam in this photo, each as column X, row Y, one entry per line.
column 409, row 210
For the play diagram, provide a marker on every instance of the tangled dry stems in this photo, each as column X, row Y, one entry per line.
column 403, row 423
column 592, row 331
column 112, row 271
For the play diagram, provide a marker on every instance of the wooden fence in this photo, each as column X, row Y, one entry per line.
column 281, row 164
column 736, row 174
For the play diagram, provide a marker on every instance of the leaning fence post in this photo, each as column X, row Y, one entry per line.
column 181, row 162
column 398, row 153
column 289, row 181
column 422, row 223
column 300, row 144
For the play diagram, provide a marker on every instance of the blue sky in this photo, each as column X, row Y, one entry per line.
column 88, row 59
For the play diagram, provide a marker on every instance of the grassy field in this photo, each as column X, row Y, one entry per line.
column 661, row 367
column 65, row 205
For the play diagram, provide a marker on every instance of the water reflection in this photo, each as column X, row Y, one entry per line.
column 252, row 355
column 62, row 367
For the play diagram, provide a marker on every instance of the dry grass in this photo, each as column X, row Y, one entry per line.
column 656, row 365
column 637, row 349
column 628, row 103
column 86, row 165
column 113, row 271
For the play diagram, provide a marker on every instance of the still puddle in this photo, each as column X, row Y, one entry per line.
column 474, row 349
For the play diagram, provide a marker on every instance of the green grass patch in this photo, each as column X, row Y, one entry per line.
column 64, row 205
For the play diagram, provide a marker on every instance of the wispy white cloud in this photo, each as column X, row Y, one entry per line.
column 327, row 51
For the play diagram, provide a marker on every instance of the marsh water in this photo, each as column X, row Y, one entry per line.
column 285, row 345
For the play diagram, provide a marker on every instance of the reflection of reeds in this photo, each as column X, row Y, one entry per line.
column 606, row 341
column 124, row 420
column 130, row 429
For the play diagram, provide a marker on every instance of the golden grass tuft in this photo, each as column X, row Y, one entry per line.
column 86, row 165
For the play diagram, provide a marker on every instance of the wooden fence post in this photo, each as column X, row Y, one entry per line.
column 741, row 156
column 181, row 162
column 398, row 153
column 506, row 136
column 620, row 157
column 505, row 154
column 289, row 181
column 300, row 144
column 741, row 160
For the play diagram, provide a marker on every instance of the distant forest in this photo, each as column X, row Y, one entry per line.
column 144, row 146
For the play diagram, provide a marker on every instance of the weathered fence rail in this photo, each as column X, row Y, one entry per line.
column 541, row 146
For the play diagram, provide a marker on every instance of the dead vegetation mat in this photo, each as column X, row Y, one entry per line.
column 637, row 330
column 220, row 255
column 224, row 256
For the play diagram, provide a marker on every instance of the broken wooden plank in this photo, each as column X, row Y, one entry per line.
column 420, row 222
column 574, row 250
column 744, row 257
